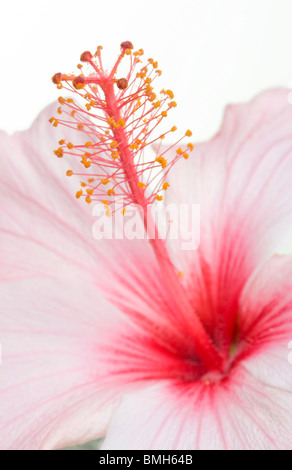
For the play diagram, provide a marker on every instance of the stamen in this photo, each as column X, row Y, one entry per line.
column 117, row 121
column 117, row 126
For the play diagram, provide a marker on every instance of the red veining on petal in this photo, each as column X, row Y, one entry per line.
column 117, row 122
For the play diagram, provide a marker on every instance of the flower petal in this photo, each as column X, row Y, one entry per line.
column 244, row 178
column 265, row 314
column 43, row 228
column 55, row 277
column 53, row 377
column 250, row 410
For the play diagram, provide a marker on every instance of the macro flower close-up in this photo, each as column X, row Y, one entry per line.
column 146, row 276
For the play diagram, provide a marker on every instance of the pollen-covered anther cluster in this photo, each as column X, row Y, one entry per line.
column 116, row 120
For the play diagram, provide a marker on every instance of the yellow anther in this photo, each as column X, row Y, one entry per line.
column 172, row 104
column 108, row 211
column 59, row 152
column 104, row 181
column 113, row 144
column 124, row 211
column 70, row 146
column 88, row 107
column 88, row 144
column 155, row 65
column 165, row 186
column 115, row 155
column 85, row 162
column 164, row 114
column 83, row 185
column 59, row 111
column 159, row 198
column 79, row 194
column 170, row 94
column 148, row 90
column 56, row 123
column 52, row 120
column 61, row 100
column 142, row 185
column 70, row 100
column 121, row 122
column 159, row 72
column 62, row 142
column 134, row 147
column 80, row 127
column 191, row 146
column 90, row 180
column 162, row 161
column 88, row 200
column 111, row 192
column 156, row 104
column 97, row 52
column 185, row 155
column 189, row 133
column 89, row 191
column 148, row 80
column 179, row 151
column 173, row 129
column 69, row 173
column 162, row 136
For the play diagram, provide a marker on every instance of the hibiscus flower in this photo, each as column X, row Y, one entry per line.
column 104, row 338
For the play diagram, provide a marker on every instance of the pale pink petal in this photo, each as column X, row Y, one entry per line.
column 53, row 316
column 53, row 377
column 251, row 409
column 44, row 230
column 244, row 181
column 265, row 314
column 68, row 356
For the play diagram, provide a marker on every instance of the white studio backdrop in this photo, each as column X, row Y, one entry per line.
column 212, row 52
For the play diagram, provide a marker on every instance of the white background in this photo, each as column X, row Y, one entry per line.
column 212, row 52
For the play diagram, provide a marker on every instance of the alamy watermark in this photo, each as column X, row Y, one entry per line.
column 180, row 222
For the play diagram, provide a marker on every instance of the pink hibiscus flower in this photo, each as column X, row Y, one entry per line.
column 106, row 338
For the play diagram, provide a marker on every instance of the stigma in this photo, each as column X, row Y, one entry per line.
column 117, row 118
